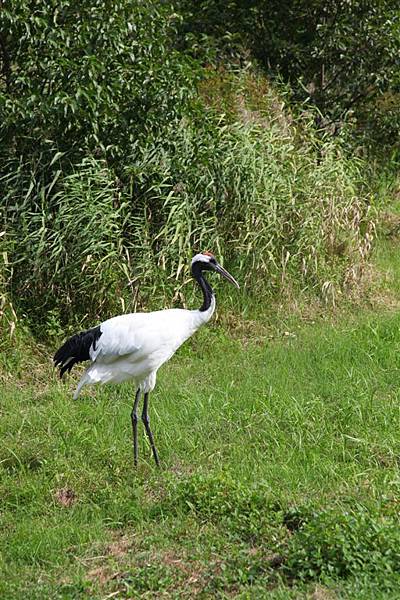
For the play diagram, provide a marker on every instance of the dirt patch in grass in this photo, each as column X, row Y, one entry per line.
column 322, row 593
column 66, row 497
column 120, row 548
column 107, row 569
column 156, row 573
column 102, row 575
column 192, row 573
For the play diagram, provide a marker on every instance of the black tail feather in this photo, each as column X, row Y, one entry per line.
column 76, row 349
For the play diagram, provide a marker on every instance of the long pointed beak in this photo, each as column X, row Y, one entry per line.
column 226, row 275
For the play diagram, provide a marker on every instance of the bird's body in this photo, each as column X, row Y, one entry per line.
column 134, row 346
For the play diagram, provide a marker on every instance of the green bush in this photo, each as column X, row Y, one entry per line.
column 67, row 243
column 241, row 512
column 277, row 205
column 87, row 77
column 343, row 545
column 341, row 57
column 115, row 171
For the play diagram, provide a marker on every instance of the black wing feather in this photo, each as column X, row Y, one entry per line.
column 76, row 349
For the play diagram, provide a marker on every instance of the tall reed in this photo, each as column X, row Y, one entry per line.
column 274, row 202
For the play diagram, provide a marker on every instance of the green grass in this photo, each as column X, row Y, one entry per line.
column 280, row 473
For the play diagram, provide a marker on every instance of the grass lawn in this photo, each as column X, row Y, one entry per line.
column 280, row 468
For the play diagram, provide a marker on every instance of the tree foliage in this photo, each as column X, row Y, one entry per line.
column 117, row 164
column 88, row 76
column 340, row 56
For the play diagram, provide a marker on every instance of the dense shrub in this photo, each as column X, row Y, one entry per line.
column 273, row 207
column 342, row 545
column 87, row 76
column 341, row 56
column 115, row 170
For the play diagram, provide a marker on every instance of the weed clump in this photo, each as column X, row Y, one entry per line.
column 299, row 543
column 344, row 545
column 219, row 499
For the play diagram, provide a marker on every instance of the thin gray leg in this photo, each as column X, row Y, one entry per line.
column 146, row 421
column 134, row 419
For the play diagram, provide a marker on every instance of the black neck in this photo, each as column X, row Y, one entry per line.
column 197, row 272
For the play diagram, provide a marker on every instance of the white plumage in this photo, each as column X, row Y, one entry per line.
column 134, row 346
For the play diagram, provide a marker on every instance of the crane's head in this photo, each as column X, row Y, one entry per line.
column 205, row 261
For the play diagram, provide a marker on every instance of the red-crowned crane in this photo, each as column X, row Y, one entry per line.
column 134, row 346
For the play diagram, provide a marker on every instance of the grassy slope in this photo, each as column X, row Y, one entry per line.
column 306, row 419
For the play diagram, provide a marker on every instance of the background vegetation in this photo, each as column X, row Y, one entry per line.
column 339, row 57
column 132, row 135
column 135, row 133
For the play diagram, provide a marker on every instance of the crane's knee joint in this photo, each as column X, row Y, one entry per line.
column 134, row 417
column 146, row 419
